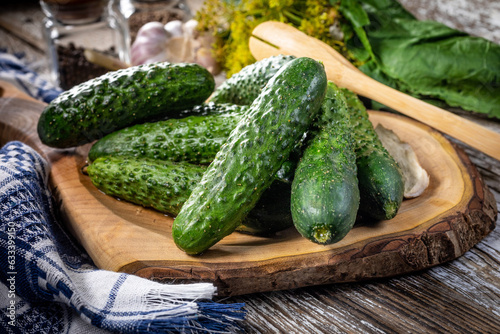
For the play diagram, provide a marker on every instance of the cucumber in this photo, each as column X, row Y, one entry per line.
column 325, row 195
column 195, row 139
column 380, row 179
column 162, row 185
column 165, row 186
column 209, row 108
column 121, row 98
column 246, row 164
column 243, row 87
column 272, row 212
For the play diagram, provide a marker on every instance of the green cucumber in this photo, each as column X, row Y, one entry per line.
column 165, row 186
column 209, row 108
column 162, row 185
column 325, row 194
column 380, row 180
column 122, row 98
column 243, row 87
column 272, row 212
column 195, row 139
column 246, row 164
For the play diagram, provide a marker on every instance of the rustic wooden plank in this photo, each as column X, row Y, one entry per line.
column 421, row 303
column 462, row 296
column 29, row 43
column 24, row 20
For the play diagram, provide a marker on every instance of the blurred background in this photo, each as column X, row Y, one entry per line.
column 22, row 21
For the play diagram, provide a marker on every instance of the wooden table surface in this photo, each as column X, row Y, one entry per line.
column 461, row 296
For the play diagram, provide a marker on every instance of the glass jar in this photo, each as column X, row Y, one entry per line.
column 73, row 26
column 139, row 12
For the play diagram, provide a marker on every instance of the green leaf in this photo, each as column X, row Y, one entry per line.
column 354, row 12
column 424, row 58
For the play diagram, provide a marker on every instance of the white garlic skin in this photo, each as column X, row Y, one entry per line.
column 174, row 42
column 150, row 44
column 174, row 28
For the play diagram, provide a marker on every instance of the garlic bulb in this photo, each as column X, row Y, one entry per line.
column 150, row 44
column 190, row 46
column 175, row 42
column 205, row 58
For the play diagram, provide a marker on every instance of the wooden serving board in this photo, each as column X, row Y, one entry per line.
column 453, row 214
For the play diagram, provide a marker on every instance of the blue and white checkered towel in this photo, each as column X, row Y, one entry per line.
column 15, row 71
column 50, row 285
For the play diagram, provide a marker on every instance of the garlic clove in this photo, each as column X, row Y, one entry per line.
column 174, row 28
column 189, row 28
column 206, row 40
column 160, row 57
column 152, row 31
column 140, row 53
column 416, row 178
column 176, row 50
column 205, row 58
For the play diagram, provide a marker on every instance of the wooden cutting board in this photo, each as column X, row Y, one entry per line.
column 453, row 214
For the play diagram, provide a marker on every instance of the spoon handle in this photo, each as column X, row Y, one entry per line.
column 469, row 132
column 274, row 38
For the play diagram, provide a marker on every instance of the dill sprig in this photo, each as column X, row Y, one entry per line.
column 231, row 23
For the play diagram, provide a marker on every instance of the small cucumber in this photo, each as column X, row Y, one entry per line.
column 246, row 164
column 209, row 108
column 121, row 98
column 195, row 139
column 325, row 193
column 162, row 185
column 243, row 87
column 272, row 212
column 380, row 180
column 165, row 186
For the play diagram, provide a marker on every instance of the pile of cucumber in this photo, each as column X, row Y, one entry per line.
column 276, row 146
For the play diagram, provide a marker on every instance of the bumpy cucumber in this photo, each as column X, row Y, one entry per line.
column 380, row 180
column 162, row 185
column 195, row 139
column 209, row 108
column 325, row 193
column 272, row 212
column 121, row 98
column 243, row 87
column 165, row 186
column 246, row 164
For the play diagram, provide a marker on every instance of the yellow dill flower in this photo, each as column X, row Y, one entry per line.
column 232, row 22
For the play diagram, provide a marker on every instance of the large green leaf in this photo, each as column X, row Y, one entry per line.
column 426, row 58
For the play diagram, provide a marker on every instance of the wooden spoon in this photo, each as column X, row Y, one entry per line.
column 274, row 38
